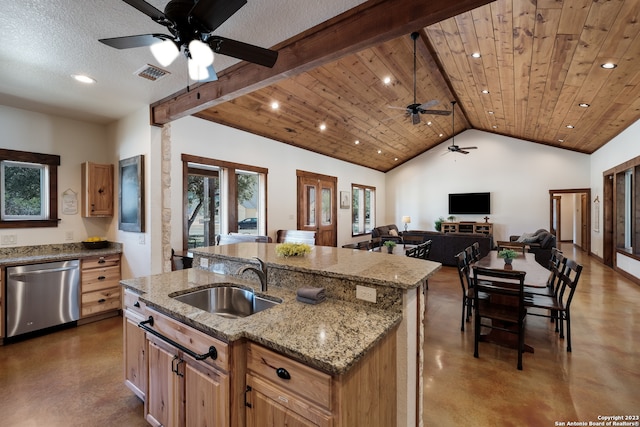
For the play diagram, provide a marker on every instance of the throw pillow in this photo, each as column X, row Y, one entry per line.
column 393, row 232
column 525, row 237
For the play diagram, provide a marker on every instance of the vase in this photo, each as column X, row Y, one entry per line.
column 390, row 249
column 508, row 261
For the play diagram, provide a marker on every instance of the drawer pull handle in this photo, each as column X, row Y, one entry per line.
column 137, row 304
column 101, row 300
column 101, row 277
column 283, row 373
column 101, row 260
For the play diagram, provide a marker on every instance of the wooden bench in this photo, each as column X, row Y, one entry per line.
column 296, row 236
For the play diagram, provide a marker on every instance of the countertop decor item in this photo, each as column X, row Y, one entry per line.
column 95, row 243
column 292, row 249
column 390, row 244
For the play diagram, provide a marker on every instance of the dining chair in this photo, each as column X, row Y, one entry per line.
column 559, row 305
column 502, row 305
column 421, row 251
column 467, row 287
column 475, row 249
column 556, row 266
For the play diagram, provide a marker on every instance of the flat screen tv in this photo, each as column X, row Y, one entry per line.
column 470, row 203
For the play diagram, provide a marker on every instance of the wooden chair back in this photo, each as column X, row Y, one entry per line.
column 516, row 246
column 296, row 236
column 421, row 251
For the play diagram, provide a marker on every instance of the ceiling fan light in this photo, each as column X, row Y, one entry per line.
column 165, row 52
column 200, row 53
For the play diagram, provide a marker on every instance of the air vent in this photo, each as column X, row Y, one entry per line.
column 151, row 72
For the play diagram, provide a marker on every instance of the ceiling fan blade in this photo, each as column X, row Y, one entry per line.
column 468, row 148
column 463, row 152
column 129, row 42
column 246, row 52
column 436, row 112
column 147, row 9
column 428, row 104
column 210, row 14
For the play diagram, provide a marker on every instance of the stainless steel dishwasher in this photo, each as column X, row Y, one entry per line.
column 42, row 295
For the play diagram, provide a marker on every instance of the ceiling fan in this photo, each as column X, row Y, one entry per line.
column 414, row 110
column 453, row 148
column 191, row 23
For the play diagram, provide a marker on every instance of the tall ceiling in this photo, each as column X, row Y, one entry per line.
column 538, row 62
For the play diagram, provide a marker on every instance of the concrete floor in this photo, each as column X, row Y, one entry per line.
column 74, row 377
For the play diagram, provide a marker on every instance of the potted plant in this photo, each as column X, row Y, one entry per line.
column 438, row 224
column 390, row 244
column 508, row 255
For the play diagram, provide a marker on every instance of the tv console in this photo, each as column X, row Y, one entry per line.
column 468, row 227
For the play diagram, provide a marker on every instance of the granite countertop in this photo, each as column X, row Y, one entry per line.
column 375, row 267
column 330, row 336
column 19, row 255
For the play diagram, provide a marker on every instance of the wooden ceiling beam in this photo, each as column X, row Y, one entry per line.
column 371, row 23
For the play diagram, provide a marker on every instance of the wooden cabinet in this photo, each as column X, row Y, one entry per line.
column 134, row 345
column 281, row 391
column 468, row 227
column 183, row 391
column 1, row 304
column 97, row 190
column 100, row 285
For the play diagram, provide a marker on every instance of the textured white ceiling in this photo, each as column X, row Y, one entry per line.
column 44, row 42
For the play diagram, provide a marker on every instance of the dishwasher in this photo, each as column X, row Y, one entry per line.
column 40, row 296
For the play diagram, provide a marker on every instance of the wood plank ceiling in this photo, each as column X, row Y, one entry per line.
column 539, row 61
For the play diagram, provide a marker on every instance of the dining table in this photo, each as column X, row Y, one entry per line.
column 536, row 276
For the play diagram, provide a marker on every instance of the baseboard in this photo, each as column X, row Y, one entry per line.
column 98, row 317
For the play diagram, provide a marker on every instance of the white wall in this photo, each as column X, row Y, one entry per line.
column 202, row 138
column 75, row 142
column 624, row 147
column 518, row 174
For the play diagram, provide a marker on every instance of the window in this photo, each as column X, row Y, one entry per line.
column 625, row 223
column 28, row 189
column 628, row 209
column 222, row 197
column 363, row 209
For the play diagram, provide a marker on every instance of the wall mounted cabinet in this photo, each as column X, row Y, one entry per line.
column 97, row 190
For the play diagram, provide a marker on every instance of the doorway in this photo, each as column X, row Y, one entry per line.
column 317, row 208
column 574, row 214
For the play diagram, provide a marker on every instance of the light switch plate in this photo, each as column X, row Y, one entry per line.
column 365, row 293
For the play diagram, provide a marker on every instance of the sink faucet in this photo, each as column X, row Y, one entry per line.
column 261, row 272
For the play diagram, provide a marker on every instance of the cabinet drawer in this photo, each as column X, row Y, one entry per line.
column 101, row 261
column 305, row 381
column 132, row 302
column 190, row 338
column 100, row 278
column 99, row 301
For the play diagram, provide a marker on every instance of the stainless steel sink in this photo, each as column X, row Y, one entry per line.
column 227, row 301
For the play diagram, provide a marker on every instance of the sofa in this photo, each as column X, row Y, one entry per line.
column 540, row 244
column 445, row 246
column 381, row 234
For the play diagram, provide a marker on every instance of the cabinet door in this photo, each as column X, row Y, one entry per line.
column 97, row 190
column 163, row 405
column 206, row 396
column 135, row 361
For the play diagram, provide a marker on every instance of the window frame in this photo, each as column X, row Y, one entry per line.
column 372, row 209
column 228, row 180
column 51, row 163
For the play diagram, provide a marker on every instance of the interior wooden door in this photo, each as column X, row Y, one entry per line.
column 317, row 210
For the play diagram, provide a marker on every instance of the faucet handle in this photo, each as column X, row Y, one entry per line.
column 263, row 266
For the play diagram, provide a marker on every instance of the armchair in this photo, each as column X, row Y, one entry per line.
column 381, row 234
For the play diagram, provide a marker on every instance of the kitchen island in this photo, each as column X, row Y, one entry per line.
column 338, row 337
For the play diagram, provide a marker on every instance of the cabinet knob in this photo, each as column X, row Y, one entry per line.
column 137, row 304
column 101, row 277
column 101, row 260
column 101, row 301
column 283, row 373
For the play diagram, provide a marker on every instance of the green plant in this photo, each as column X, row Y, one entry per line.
column 438, row 223
column 507, row 253
column 292, row 249
column 390, row 243
column 451, row 218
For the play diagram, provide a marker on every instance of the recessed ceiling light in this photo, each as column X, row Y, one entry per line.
column 83, row 79
column 386, row 80
column 490, row 112
column 379, row 151
column 323, row 126
column 429, row 123
column 561, row 140
column 275, row 105
column 569, row 126
column 476, row 55
column 485, row 91
column 609, row 65
column 441, row 135
column 395, row 159
column 584, row 105
column 357, row 142
column 494, row 126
